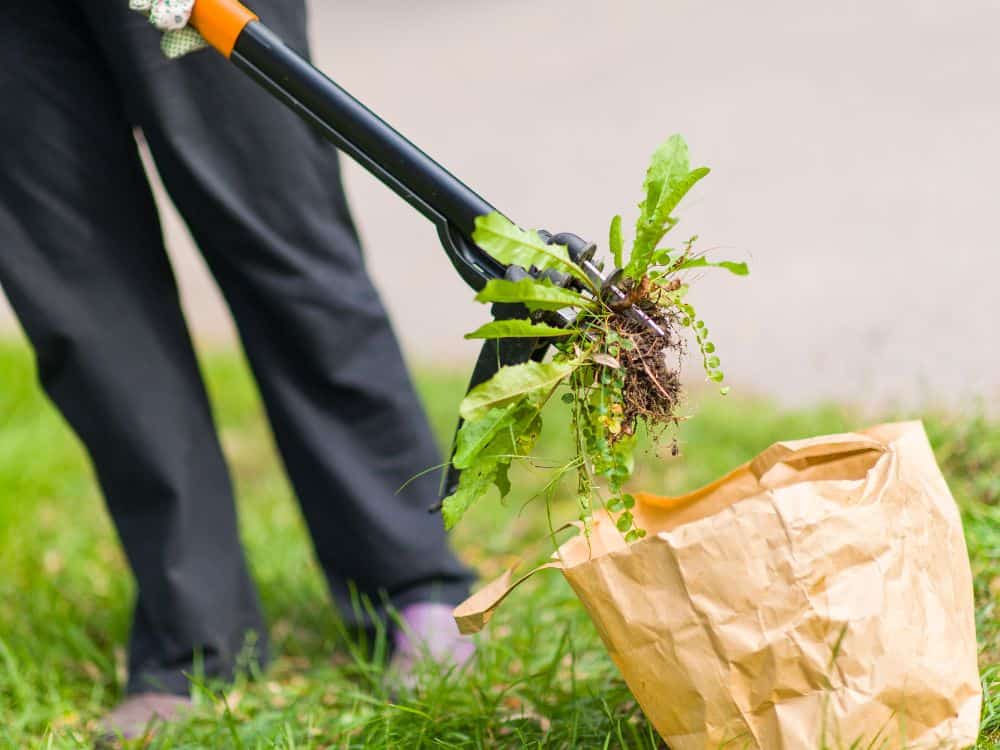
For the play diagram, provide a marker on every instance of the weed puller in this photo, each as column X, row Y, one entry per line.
column 237, row 33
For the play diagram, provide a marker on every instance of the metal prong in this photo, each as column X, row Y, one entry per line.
column 609, row 288
column 640, row 317
column 582, row 253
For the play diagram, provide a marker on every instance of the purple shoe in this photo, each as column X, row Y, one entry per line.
column 140, row 716
column 427, row 631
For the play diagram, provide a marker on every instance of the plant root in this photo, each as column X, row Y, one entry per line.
column 652, row 389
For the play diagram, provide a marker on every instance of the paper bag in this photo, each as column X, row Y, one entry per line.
column 818, row 596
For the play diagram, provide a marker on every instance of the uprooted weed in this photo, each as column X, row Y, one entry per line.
column 618, row 343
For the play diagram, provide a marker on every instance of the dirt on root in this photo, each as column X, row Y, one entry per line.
column 652, row 390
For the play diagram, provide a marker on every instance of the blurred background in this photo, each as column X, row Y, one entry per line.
column 853, row 152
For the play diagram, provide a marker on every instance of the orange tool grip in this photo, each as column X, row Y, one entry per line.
column 221, row 22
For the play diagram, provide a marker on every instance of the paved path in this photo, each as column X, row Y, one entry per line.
column 854, row 149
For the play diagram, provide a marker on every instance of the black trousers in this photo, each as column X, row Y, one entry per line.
column 83, row 264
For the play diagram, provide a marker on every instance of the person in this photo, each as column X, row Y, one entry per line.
column 83, row 264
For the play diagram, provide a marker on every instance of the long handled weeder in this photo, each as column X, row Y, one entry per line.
column 238, row 34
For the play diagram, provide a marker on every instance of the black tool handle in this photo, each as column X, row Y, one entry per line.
column 430, row 188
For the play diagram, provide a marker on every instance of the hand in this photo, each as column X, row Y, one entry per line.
column 171, row 17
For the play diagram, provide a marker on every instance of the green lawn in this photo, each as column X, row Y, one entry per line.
column 543, row 678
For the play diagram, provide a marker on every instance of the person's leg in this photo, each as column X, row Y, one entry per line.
column 82, row 262
column 263, row 198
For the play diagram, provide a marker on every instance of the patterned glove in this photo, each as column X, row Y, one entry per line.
column 171, row 17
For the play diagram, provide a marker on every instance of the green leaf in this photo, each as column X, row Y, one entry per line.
column 501, row 480
column 536, row 295
column 651, row 232
column 509, row 329
column 505, row 433
column 472, row 485
column 662, row 256
column 675, row 191
column 520, row 438
column 615, row 242
column 515, row 439
column 509, row 383
column 512, row 245
column 739, row 269
column 668, row 180
column 624, row 522
column 669, row 164
column 476, row 435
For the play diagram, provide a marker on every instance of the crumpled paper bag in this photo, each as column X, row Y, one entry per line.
column 818, row 596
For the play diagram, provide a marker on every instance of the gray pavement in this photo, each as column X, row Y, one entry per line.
column 853, row 148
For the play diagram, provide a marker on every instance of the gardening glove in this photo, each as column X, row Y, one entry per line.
column 171, row 17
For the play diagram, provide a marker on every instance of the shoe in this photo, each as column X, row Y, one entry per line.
column 427, row 630
column 138, row 715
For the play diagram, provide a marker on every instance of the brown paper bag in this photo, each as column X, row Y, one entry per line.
column 817, row 596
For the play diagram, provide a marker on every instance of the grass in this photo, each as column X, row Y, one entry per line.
column 543, row 679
